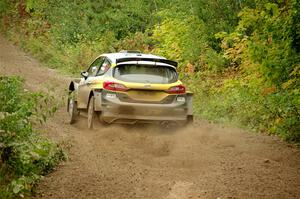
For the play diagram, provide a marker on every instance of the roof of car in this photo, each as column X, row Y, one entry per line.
column 132, row 57
column 114, row 56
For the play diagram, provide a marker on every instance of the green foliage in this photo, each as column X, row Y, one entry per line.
column 3, row 7
column 25, row 155
column 270, row 27
column 138, row 41
column 185, row 39
column 262, row 49
column 246, row 105
column 174, row 38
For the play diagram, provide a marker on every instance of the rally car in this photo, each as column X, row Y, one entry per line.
column 130, row 87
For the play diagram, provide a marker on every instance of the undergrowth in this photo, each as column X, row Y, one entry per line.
column 26, row 155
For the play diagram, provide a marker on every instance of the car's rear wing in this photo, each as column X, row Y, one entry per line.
column 156, row 60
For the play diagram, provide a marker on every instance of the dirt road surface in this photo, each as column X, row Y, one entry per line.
column 203, row 161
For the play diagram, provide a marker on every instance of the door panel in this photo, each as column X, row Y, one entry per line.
column 83, row 93
column 94, row 80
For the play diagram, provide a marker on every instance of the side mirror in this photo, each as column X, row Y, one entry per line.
column 84, row 74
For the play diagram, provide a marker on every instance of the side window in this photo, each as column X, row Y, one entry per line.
column 94, row 67
column 105, row 65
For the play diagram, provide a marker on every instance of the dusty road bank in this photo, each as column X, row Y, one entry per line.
column 204, row 161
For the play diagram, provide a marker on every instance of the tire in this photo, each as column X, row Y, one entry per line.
column 72, row 109
column 91, row 113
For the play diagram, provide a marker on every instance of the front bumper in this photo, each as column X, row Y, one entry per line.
column 114, row 110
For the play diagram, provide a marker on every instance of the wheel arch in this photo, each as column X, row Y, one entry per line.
column 91, row 94
column 73, row 87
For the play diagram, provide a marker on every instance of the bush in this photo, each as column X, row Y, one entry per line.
column 25, row 155
column 246, row 104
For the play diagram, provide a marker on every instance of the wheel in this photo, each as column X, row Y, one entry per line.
column 72, row 109
column 91, row 113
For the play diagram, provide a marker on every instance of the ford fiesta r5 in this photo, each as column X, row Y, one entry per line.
column 130, row 87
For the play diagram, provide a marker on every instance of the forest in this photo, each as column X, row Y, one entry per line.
column 241, row 58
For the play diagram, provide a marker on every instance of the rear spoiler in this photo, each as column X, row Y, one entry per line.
column 165, row 61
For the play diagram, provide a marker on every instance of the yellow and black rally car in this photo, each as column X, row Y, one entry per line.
column 130, row 87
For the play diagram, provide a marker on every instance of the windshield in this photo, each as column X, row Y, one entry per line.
column 145, row 74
